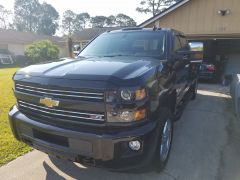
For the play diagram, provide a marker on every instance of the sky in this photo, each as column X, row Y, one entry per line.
column 93, row 7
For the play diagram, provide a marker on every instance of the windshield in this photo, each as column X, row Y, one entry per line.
column 151, row 44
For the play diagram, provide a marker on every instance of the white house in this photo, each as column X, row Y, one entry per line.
column 16, row 42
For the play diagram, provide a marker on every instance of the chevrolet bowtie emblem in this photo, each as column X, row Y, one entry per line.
column 49, row 102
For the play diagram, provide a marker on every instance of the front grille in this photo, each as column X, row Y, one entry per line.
column 58, row 114
column 60, row 93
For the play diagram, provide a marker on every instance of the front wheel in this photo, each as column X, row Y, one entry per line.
column 165, row 139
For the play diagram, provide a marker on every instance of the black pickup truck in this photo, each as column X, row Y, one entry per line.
column 112, row 107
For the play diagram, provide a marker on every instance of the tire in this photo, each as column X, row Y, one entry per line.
column 194, row 90
column 165, row 117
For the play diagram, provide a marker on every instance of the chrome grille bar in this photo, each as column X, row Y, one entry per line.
column 31, row 87
column 55, row 92
column 60, row 113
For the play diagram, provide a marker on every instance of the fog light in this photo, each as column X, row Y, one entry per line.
column 134, row 145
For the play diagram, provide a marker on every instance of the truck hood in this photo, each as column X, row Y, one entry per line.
column 97, row 68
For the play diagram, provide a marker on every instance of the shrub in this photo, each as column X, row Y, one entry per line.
column 42, row 51
column 21, row 60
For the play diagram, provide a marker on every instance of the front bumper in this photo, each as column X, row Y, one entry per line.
column 102, row 150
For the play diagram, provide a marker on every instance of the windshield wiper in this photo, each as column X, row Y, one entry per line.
column 154, row 57
column 114, row 55
column 81, row 57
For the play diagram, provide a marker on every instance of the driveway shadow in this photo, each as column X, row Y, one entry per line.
column 76, row 171
column 51, row 174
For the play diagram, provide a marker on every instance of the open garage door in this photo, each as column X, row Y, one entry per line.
column 224, row 54
column 233, row 64
column 229, row 52
column 227, row 58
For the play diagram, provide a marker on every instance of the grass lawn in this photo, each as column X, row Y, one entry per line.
column 9, row 147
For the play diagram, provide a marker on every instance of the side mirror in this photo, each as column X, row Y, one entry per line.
column 183, row 55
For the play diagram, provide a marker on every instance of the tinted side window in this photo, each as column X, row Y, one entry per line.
column 183, row 42
column 177, row 44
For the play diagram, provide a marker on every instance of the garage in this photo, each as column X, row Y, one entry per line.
column 223, row 55
column 214, row 23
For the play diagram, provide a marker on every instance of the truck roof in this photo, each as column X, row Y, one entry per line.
column 139, row 29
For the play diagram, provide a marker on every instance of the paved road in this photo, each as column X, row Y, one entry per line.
column 206, row 146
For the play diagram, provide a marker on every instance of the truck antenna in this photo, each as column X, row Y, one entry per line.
column 154, row 28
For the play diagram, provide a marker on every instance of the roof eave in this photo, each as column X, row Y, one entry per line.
column 158, row 16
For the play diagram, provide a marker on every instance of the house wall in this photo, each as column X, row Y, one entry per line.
column 201, row 17
column 3, row 46
column 19, row 49
column 16, row 49
column 63, row 52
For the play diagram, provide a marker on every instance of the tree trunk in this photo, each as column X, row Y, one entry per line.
column 70, row 47
column 153, row 8
column 4, row 24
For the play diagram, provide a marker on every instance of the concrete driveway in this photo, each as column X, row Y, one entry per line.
column 206, row 146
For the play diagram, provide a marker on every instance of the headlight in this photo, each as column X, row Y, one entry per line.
column 126, row 116
column 128, row 95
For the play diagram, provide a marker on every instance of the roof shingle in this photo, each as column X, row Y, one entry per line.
column 12, row 36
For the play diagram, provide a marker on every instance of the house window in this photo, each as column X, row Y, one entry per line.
column 6, row 59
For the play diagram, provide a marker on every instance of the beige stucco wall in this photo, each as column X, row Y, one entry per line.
column 201, row 17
